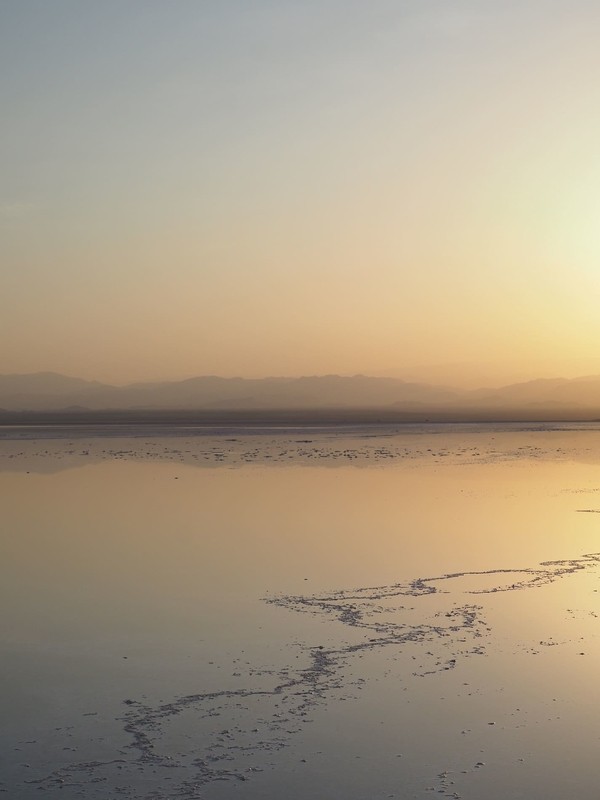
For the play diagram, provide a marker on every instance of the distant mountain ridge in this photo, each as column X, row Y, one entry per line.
column 49, row 391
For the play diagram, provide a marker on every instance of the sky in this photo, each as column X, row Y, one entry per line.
column 298, row 187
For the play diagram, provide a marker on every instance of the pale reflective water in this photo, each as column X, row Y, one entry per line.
column 303, row 614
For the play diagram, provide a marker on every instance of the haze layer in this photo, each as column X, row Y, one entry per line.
column 283, row 188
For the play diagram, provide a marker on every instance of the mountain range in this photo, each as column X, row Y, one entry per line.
column 50, row 391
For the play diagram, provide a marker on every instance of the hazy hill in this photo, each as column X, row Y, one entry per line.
column 42, row 383
column 583, row 391
column 51, row 392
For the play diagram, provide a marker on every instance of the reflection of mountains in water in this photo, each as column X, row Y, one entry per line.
column 328, row 393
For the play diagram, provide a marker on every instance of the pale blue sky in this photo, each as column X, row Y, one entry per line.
column 298, row 187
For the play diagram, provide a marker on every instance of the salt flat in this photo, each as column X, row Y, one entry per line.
column 350, row 613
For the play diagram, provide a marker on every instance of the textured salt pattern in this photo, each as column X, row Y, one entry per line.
column 358, row 448
column 175, row 749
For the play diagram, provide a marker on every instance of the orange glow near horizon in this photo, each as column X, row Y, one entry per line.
column 391, row 191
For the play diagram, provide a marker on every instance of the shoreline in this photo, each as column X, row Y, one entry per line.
column 335, row 417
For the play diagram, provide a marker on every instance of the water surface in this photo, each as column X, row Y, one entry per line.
column 362, row 614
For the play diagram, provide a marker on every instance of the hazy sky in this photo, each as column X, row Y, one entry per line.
column 285, row 187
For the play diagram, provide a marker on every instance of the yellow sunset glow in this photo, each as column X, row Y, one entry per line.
column 290, row 191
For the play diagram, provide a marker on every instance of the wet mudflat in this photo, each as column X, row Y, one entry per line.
column 368, row 614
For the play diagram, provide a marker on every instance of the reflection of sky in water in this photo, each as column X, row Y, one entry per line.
column 139, row 577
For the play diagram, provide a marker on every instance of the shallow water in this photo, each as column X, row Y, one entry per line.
column 304, row 614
